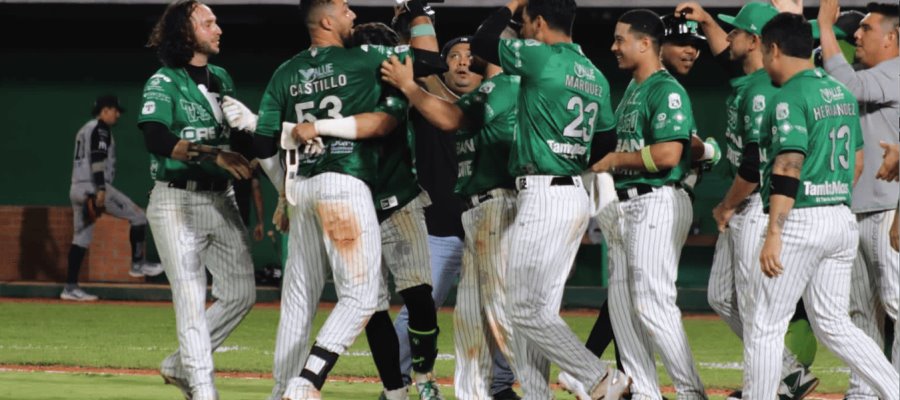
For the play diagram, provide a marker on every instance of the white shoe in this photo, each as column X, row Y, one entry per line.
column 303, row 391
column 570, row 384
column 613, row 385
column 180, row 383
column 77, row 294
column 396, row 394
column 144, row 268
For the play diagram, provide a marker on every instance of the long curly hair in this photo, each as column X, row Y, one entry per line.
column 173, row 34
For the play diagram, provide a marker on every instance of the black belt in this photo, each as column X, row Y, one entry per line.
column 475, row 200
column 562, row 181
column 196, row 186
column 640, row 190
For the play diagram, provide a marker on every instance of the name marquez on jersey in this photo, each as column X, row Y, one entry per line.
column 834, row 110
column 569, row 150
column 825, row 189
column 583, row 85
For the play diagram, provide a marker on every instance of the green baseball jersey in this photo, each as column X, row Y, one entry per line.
column 173, row 99
column 657, row 110
column 563, row 100
column 746, row 107
column 331, row 82
column 816, row 115
column 395, row 184
column 483, row 149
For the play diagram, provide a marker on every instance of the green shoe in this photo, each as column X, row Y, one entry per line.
column 797, row 385
column 428, row 390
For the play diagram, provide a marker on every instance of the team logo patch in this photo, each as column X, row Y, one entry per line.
column 584, row 72
column 487, row 88
column 781, row 111
column 831, row 94
column 149, row 108
column 759, row 103
column 674, row 100
column 532, row 43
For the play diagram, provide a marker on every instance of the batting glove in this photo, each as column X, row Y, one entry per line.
column 314, row 147
column 712, row 153
column 238, row 115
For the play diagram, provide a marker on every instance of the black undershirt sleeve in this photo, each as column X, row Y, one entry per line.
column 100, row 142
column 603, row 143
column 158, row 139
column 427, row 63
column 486, row 41
column 749, row 168
column 265, row 146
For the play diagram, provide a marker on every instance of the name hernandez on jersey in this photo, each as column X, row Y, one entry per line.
column 332, row 82
column 817, row 116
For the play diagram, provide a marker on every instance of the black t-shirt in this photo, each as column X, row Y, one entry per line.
column 436, row 170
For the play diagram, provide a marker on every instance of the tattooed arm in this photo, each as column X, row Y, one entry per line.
column 787, row 167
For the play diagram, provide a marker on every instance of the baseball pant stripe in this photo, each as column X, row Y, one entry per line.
column 404, row 248
column 548, row 228
column 194, row 230
column 818, row 247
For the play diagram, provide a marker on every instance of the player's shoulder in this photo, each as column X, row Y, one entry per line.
column 162, row 78
column 224, row 77
column 664, row 86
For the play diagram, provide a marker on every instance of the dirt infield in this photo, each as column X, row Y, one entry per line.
column 68, row 369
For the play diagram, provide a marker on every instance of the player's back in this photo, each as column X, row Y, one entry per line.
column 328, row 82
column 817, row 116
column 563, row 100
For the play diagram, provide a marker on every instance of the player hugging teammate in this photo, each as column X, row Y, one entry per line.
column 539, row 150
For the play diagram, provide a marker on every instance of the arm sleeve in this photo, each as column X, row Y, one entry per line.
column 427, row 63
column 100, row 142
column 265, row 146
column 732, row 68
column 158, row 139
column 602, row 143
column 526, row 58
column 749, row 168
column 270, row 116
column 392, row 103
column 487, row 38
column 606, row 120
column 790, row 134
column 863, row 84
column 157, row 104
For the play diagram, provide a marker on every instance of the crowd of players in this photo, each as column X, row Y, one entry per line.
column 489, row 158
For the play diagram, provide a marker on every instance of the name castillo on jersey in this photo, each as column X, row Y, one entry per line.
column 317, row 79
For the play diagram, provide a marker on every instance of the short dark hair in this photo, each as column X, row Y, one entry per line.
column 375, row 33
column 308, row 6
column 886, row 9
column 791, row 32
column 173, row 34
column 559, row 14
column 645, row 23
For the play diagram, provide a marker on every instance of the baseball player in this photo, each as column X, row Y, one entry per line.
column 333, row 219
column 654, row 125
column 741, row 210
column 877, row 88
column 808, row 139
column 564, row 100
column 483, row 122
column 399, row 205
column 192, row 210
column 890, row 171
column 92, row 193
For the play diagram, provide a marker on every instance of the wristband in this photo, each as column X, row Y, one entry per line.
column 647, row 158
column 422, row 30
column 343, row 128
column 202, row 152
column 708, row 152
column 785, row 185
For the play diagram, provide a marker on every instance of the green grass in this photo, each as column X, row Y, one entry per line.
column 140, row 336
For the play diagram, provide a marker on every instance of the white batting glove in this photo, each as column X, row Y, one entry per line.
column 287, row 140
column 314, row 147
column 238, row 115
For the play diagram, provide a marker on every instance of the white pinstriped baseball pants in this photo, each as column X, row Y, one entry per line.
column 404, row 249
column 818, row 248
column 875, row 289
column 333, row 224
column 545, row 237
column 479, row 319
column 193, row 230
column 644, row 254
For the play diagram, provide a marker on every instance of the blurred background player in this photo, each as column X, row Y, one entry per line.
column 876, row 86
column 92, row 194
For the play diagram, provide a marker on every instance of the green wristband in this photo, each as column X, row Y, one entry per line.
column 422, row 30
column 648, row 160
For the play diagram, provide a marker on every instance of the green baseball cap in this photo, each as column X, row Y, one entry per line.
column 751, row 18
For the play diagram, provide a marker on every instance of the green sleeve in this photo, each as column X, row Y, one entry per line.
column 225, row 79
column 669, row 109
column 790, row 133
column 157, row 103
column 525, row 58
column 606, row 120
column 271, row 106
column 393, row 103
column 472, row 106
column 754, row 110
